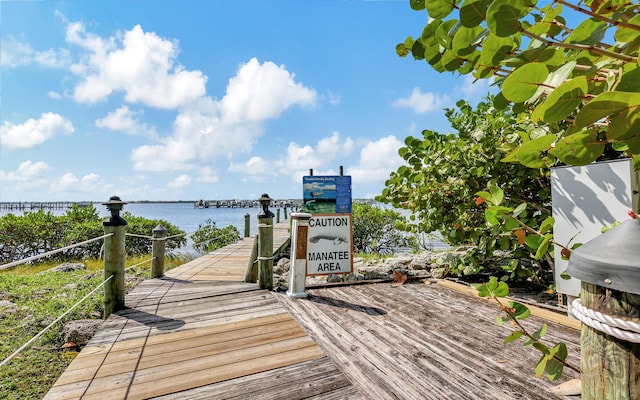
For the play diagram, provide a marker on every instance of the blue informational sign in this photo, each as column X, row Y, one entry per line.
column 326, row 194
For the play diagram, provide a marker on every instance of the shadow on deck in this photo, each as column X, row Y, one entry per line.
column 202, row 333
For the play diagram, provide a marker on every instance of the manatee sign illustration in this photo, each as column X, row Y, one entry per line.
column 326, row 194
column 329, row 246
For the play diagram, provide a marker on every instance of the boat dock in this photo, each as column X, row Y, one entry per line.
column 200, row 332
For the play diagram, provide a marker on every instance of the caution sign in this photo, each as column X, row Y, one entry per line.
column 329, row 244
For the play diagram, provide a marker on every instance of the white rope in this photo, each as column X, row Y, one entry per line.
column 13, row 264
column 33, row 339
column 140, row 263
column 619, row 328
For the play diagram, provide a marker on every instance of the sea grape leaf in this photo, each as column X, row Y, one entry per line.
column 523, row 83
column 562, row 101
column 581, row 148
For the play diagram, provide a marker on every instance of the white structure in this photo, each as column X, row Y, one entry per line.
column 585, row 200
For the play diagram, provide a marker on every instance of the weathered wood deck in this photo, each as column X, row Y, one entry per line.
column 419, row 341
column 202, row 333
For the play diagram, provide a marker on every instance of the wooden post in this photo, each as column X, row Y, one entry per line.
column 265, row 244
column 114, row 257
column 609, row 268
column 159, row 234
column 285, row 213
column 252, row 268
column 265, row 252
column 610, row 366
column 247, row 225
column 277, row 216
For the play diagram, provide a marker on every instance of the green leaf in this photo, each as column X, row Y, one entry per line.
column 590, row 32
column 562, row 101
column 466, row 40
column 521, row 311
column 581, row 148
column 541, row 366
column 513, row 337
column 531, row 153
column 439, row 9
column 523, row 83
column 417, row 5
column 473, row 12
column 606, row 104
column 494, row 214
column 544, row 246
column 496, row 48
column 547, row 225
column 627, row 34
column 556, row 361
column 541, row 347
column 564, row 275
column 494, row 196
column 502, row 290
column 520, row 209
column 503, row 17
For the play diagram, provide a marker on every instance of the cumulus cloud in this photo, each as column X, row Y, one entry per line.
column 140, row 64
column 180, row 182
column 377, row 160
column 34, row 131
column 422, row 103
column 260, row 92
column 15, row 53
column 26, row 171
column 326, row 150
column 256, row 166
column 70, row 183
column 209, row 130
column 127, row 121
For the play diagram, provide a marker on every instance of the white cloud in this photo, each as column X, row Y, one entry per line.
column 377, row 160
column 26, row 171
column 127, row 121
column 256, row 166
column 138, row 63
column 34, row 132
column 327, row 149
column 180, row 182
column 422, row 103
column 68, row 182
column 208, row 130
column 260, row 92
column 207, row 175
column 14, row 53
column 54, row 95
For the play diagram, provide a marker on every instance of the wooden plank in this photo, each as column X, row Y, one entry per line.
column 430, row 342
column 548, row 315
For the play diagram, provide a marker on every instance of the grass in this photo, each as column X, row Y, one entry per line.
column 39, row 298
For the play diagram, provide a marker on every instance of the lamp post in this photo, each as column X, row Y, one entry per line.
column 265, row 244
column 609, row 308
column 114, row 256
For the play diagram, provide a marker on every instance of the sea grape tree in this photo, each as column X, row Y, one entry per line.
column 572, row 66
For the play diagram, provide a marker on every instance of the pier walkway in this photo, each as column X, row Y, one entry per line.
column 202, row 333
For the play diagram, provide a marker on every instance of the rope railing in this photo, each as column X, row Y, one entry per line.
column 42, row 332
column 215, row 238
column 49, row 253
column 152, row 238
column 140, row 263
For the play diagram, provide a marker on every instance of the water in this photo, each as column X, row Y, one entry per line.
column 185, row 216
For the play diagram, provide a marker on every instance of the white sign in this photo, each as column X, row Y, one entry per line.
column 329, row 244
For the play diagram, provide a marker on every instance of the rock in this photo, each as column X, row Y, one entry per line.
column 282, row 267
column 80, row 331
column 67, row 267
column 334, row 278
column 7, row 308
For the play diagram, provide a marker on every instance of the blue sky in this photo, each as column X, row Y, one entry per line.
column 191, row 99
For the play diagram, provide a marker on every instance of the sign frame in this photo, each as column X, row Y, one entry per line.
column 329, row 243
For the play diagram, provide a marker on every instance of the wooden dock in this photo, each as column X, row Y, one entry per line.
column 202, row 333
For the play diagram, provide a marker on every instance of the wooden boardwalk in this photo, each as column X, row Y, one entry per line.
column 431, row 342
column 202, row 333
